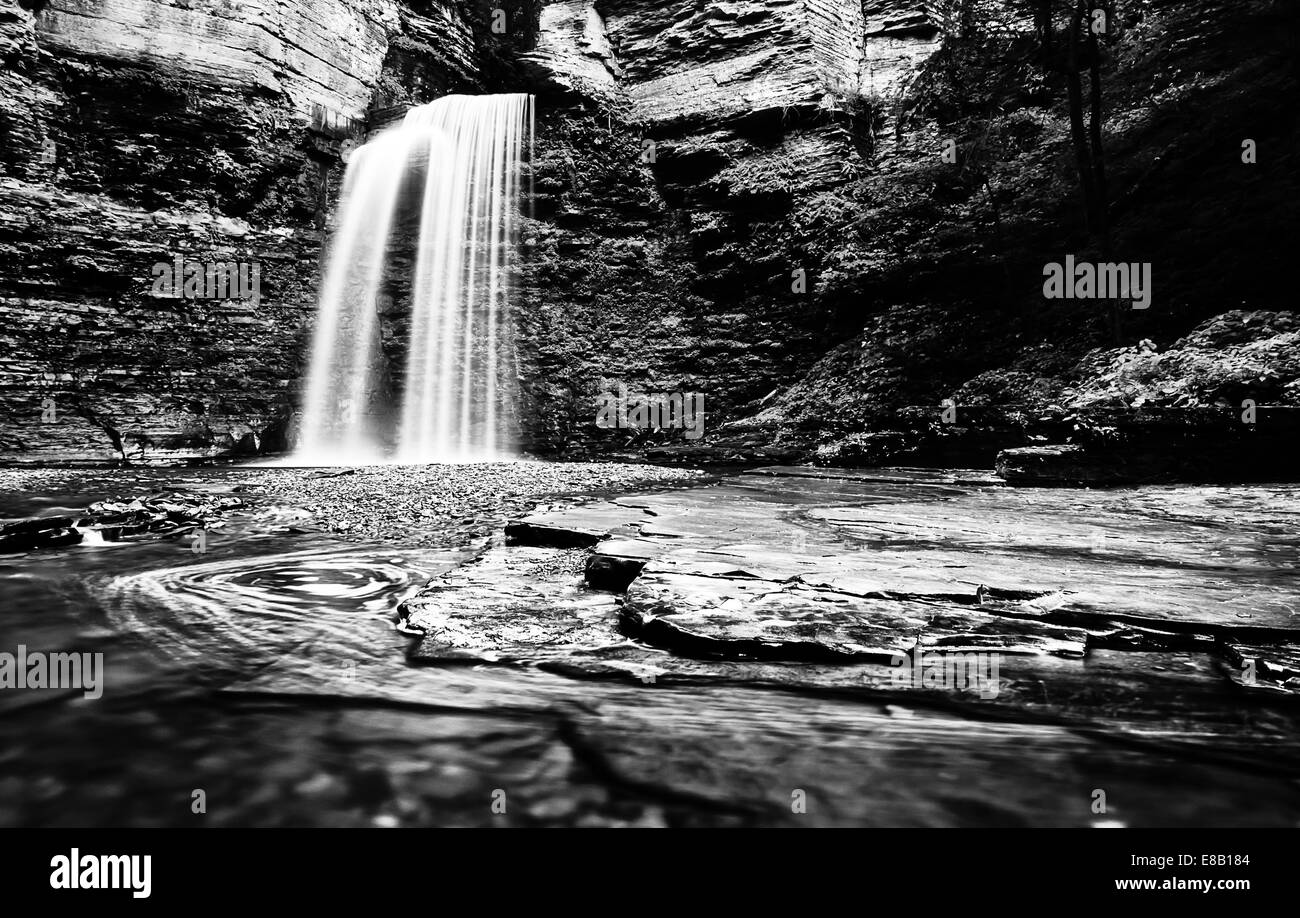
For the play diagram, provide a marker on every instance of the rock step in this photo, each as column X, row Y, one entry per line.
column 748, row 617
column 38, row 532
column 114, row 521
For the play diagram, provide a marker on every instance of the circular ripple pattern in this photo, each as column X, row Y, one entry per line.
column 323, row 607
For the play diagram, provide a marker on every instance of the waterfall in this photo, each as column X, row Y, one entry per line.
column 447, row 177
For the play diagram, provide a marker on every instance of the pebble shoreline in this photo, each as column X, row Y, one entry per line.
column 421, row 505
column 405, row 503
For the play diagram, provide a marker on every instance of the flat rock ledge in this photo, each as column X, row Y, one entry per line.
column 1151, row 615
column 737, row 614
column 1071, row 464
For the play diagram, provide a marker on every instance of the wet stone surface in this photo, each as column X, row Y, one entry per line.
column 727, row 648
column 1120, row 613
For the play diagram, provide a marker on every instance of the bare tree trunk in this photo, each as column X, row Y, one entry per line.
column 1078, row 131
column 1043, row 25
column 1101, row 195
column 1101, row 202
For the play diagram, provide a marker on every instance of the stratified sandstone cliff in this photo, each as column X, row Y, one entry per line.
column 809, row 136
column 681, row 146
column 136, row 131
column 741, row 198
column 686, row 155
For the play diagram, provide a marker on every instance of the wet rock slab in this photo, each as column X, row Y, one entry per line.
column 1208, row 560
column 1071, row 464
column 560, row 530
column 1264, row 668
column 721, row 613
column 821, row 579
column 1139, row 634
column 535, row 677
column 113, row 521
column 515, row 603
column 38, row 532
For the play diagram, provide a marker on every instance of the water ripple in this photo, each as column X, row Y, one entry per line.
column 241, row 612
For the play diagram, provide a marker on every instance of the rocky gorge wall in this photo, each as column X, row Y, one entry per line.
column 133, row 132
column 809, row 136
column 674, row 141
column 737, row 198
column 686, row 153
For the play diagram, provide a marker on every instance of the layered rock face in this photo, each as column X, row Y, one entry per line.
column 739, row 199
column 684, row 156
column 137, row 132
column 951, row 349
column 677, row 145
column 767, row 215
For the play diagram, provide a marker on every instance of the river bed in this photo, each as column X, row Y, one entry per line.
column 270, row 680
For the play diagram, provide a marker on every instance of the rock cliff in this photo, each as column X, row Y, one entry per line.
column 741, row 198
column 134, row 132
column 686, row 156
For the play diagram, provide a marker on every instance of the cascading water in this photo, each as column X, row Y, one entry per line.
column 454, row 167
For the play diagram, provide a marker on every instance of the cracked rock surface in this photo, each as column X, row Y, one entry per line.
column 731, row 646
column 1159, row 619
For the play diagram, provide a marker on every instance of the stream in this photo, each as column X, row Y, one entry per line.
column 264, row 681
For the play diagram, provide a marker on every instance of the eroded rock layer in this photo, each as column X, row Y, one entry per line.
column 742, row 199
column 1161, row 617
column 134, row 133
